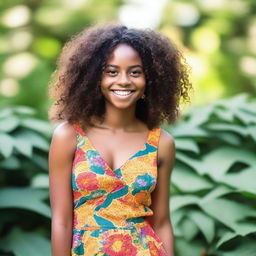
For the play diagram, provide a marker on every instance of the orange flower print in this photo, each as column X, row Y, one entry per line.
column 119, row 245
column 87, row 181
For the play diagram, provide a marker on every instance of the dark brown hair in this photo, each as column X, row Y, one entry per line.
column 76, row 81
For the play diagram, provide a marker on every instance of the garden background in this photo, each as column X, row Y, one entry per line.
column 213, row 191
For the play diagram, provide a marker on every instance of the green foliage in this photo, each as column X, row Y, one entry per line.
column 213, row 202
column 24, row 208
column 213, row 182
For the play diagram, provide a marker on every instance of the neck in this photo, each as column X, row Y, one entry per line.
column 119, row 119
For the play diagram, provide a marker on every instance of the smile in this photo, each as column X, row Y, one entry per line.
column 122, row 93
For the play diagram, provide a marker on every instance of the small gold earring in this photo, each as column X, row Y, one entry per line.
column 143, row 96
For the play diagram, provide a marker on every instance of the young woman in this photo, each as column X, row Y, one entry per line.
column 109, row 161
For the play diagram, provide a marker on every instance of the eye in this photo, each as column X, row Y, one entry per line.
column 136, row 73
column 111, row 72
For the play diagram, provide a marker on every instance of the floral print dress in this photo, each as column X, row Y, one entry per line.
column 111, row 206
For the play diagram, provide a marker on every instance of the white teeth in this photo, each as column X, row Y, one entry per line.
column 122, row 93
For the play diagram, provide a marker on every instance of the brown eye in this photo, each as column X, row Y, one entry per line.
column 111, row 72
column 136, row 73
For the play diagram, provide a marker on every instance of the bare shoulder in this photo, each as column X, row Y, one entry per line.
column 65, row 136
column 166, row 141
column 166, row 148
column 64, row 130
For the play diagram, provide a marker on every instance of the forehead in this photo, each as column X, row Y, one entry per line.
column 125, row 54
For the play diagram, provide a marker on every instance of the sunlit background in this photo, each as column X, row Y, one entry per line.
column 217, row 37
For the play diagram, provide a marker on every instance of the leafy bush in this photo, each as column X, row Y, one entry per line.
column 25, row 216
column 213, row 182
column 213, row 206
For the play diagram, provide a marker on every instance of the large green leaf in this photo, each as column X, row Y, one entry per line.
column 176, row 217
column 178, row 201
column 229, row 138
column 37, row 125
column 188, row 228
column 224, row 114
column 186, row 145
column 9, row 123
column 204, row 222
column 24, row 111
column 226, row 237
column 6, row 144
column 191, row 162
column 241, row 229
column 24, row 146
column 226, row 211
column 243, row 180
column 188, row 181
column 40, row 181
column 219, row 191
column 11, row 163
column 252, row 131
column 25, row 198
column 185, row 130
column 246, row 248
column 228, row 127
column 25, row 244
column 233, row 102
column 245, row 116
column 218, row 161
column 200, row 115
column 41, row 161
column 188, row 248
column 33, row 139
column 5, row 112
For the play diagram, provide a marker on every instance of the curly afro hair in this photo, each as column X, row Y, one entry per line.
column 76, row 81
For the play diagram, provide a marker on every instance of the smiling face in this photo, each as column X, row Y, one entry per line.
column 123, row 80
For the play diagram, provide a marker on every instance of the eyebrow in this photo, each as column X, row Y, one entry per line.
column 116, row 66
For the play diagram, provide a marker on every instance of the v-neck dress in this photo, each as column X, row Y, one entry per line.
column 111, row 206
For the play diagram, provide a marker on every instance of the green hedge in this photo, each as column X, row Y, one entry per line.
column 24, row 207
column 213, row 206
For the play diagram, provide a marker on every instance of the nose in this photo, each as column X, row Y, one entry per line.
column 123, row 79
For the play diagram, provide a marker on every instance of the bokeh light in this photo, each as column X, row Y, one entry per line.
column 16, row 16
column 20, row 65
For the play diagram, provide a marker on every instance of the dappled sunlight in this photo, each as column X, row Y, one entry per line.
column 205, row 40
column 141, row 14
column 16, row 16
column 185, row 14
column 21, row 40
column 20, row 65
column 248, row 65
column 9, row 87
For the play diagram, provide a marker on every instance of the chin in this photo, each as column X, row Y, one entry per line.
column 121, row 105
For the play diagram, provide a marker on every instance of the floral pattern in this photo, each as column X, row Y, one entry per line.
column 111, row 206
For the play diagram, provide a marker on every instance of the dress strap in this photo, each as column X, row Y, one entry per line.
column 78, row 129
column 154, row 135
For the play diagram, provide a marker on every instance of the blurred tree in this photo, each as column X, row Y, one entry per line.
column 32, row 35
column 220, row 40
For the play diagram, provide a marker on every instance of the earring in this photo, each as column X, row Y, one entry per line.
column 143, row 97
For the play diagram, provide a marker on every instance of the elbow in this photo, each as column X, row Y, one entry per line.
column 161, row 222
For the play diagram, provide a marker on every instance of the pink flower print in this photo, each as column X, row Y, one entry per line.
column 87, row 181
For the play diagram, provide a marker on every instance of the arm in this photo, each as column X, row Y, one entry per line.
column 60, row 162
column 160, row 220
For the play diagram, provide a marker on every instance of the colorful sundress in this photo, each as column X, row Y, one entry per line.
column 110, row 206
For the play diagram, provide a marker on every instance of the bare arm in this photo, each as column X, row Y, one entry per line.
column 160, row 221
column 60, row 162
